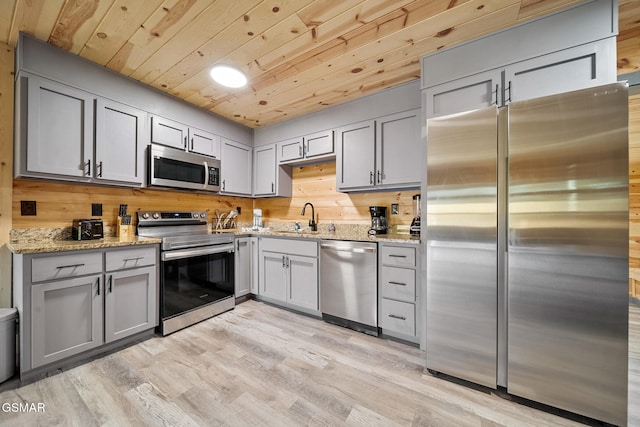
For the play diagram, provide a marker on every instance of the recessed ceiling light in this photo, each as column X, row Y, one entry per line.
column 228, row 76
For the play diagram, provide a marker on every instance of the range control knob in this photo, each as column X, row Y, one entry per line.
column 203, row 214
column 145, row 215
column 156, row 215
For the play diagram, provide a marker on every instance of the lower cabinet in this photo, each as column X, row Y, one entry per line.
column 243, row 270
column 288, row 272
column 397, row 308
column 75, row 301
column 66, row 318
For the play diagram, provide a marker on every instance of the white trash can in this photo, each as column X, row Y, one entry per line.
column 7, row 343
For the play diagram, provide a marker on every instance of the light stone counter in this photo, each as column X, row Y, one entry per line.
column 74, row 245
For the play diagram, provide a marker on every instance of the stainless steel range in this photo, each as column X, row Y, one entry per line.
column 196, row 268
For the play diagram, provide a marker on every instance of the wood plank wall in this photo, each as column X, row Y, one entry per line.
column 634, row 196
column 6, row 168
column 59, row 203
column 316, row 184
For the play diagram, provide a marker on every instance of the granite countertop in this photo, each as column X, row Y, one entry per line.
column 52, row 245
column 32, row 241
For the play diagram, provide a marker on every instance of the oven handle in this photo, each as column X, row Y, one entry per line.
column 188, row 253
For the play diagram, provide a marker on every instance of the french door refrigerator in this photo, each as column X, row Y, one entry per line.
column 527, row 215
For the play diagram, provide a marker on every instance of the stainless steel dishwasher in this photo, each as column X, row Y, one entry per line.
column 349, row 284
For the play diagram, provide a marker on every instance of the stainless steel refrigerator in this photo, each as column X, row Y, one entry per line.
column 527, row 215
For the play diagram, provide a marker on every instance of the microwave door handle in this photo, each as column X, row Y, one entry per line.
column 206, row 174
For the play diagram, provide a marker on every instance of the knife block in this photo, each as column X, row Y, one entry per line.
column 124, row 231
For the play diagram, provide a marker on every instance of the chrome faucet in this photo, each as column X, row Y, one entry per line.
column 312, row 221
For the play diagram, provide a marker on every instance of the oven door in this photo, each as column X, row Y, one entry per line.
column 193, row 278
column 169, row 167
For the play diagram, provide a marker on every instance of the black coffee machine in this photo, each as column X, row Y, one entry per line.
column 378, row 219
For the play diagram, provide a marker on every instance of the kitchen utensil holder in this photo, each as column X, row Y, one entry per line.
column 223, row 223
column 125, row 231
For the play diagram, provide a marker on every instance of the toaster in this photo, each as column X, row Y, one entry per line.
column 87, row 229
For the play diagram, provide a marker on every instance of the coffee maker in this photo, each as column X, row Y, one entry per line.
column 415, row 223
column 378, row 219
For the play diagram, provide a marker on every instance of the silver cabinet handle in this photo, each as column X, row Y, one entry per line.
column 283, row 263
column 98, row 283
column 395, row 316
column 398, row 283
column 191, row 149
column 110, row 283
column 273, row 189
column 60, row 267
column 133, row 259
column 88, row 172
column 224, row 184
column 99, row 169
column 371, row 177
column 508, row 99
column 379, row 178
column 185, row 142
column 300, row 150
column 397, row 256
column 496, row 93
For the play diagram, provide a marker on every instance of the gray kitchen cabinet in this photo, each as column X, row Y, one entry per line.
column 184, row 137
column 54, row 130
column 76, row 302
column 58, row 138
column 236, row 167
column 130, row 292
column 380, row 154
column 243, row 262
column 315, row 147
column 66, row 318
column 398, row 290
column 269, row 178
column 289, row 273
column 120, row 143
column 567, row 70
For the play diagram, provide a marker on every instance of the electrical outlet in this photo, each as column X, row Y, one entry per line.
column 96, row 209
column 394, row 209
column 27, row 207
column 239, row 209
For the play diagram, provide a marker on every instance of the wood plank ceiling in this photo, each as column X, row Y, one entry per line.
column 300, row 55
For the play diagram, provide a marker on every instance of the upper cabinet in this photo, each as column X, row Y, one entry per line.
column 56, row 137
column 236, row 167
column 383, row 153
column 178, row 135
column 554, row 54
column 315, row 147
column 269, row 178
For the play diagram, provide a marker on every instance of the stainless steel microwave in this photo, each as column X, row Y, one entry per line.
column 169, row 167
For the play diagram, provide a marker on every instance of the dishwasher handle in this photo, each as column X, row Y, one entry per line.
column 355, row 250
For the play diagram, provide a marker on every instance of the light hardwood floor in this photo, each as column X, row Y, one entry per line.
column 259, row 365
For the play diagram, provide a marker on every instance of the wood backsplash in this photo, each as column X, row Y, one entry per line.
column 317, row 184
column 59, row 203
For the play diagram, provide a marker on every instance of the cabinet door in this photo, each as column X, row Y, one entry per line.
column 169, row 133
column 265, row 170
column 356, row 156
column 290, row 150
column 130, row 302
column 399, row 149
column 204, row 143
column 564, row 71
column 319, row 144
column 255, row 266
column 303, row 281
column 273, row 276
column 236, row 168
column 243, row 264
column 120, row 142
column 469, row 93
column 59, row 130
column 66, row 318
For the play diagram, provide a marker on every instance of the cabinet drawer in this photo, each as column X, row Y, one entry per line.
column 398, row 317
column 398, row 255
column 67, row 265
column 290, row 246
column 398, row 283
column 130, row 258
